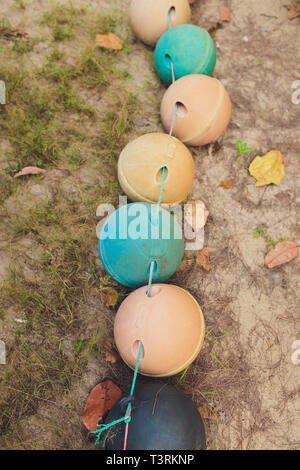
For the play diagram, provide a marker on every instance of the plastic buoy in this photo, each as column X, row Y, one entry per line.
column 169, row 323
column 162, row 418
column 149, row 19
column 190, row 48
column 203, row 109
column 140, row 169
column 135, row 235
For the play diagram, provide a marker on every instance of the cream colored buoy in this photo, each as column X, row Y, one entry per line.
column 140, row 169
column 170, row 325
column 203, row 109
column 149, row 19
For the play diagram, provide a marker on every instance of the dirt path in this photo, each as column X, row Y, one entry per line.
column 71, row 109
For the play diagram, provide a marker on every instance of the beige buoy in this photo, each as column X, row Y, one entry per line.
column 170, row 325
column 149, row 19
column 141, row 164
column 203, row 109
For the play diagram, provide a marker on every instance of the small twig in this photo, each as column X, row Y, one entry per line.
column 156, row 398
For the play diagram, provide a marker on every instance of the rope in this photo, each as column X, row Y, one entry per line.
column 127, row 417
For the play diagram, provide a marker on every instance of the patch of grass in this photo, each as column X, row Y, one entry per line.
column 38, row 368
column 117, row 124
column 21, row 4
column 22, row 47
column 6, row 187
column 62, row 19
column 242, row 149
column 47, row 123
column 270, row 243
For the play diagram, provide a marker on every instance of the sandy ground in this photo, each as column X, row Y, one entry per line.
column 252, row 313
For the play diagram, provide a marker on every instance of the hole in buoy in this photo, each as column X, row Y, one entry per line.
column 169, row 59
column 181, row 109
column 159, row 174
column 136, row 348
column 172, row 11
column 155, row 290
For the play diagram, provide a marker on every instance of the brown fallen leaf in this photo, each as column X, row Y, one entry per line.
column 283, row 252
column 213, row 29
column 283, row 196
column 208, row 412
column 30, row 170
column 109, row 296
column 224, row 14
column 196, row 214
column 227, row 184
column 110, row 354
column 109, row 41
column 294, row 10
column 101, row 399
column 12, row 33
column 286, row 159
column 202, row 258
column 184, row 265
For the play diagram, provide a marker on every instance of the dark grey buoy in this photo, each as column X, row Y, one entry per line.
column 162, row 418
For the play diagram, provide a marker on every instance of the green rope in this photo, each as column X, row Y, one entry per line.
column 127, row 417
column 169, row 15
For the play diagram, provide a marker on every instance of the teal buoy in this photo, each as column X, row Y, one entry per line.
column 133, row 236
column 190, row 48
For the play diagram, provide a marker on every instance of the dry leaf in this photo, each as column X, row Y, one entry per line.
column 30, row 170
column 268, row 169
column 101, row 399
column 184, row 265
column 213, row 29
column 202, row 258
column 110, row 354
column 13, row 33
column 286, row 160
column 196, row 214
column 224, row 14
column 109, row 296
column 109, row 41
column 208, row 412
column 227, row 184
column 294, row 10
column 283, row 252
column 283, row 196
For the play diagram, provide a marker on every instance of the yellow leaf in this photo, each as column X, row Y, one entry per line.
column 268, row 169
column 109, row 41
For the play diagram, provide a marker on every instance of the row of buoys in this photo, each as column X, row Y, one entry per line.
column 167, row 321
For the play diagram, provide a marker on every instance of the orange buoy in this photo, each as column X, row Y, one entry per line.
column 140, row 169
column 149, row 19
column 203, row 109
column 170, row 325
